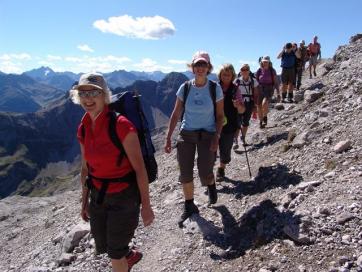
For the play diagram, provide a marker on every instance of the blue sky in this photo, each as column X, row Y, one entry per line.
column 82, row 36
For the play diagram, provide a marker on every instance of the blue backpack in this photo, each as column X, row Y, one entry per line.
column 129, row 105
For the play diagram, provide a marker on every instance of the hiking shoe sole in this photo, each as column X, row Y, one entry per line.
column 133, row 258
column 188, row 212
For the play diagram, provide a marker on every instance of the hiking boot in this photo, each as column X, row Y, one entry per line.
column 189, row 209
column 310, row 76
column 284, row 96
column 236, row 145
column 133, row 257
column 220, row 173
column 314, row 73
column 243, row 141
column 261, row 124
column 265, row 120
column 211, row 190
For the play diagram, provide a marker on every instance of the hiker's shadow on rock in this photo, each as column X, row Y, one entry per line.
column 267, row 178
column 268, row 140
column 258, row 226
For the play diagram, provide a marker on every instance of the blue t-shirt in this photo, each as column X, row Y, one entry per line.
column 199, row 109
column 288, row 60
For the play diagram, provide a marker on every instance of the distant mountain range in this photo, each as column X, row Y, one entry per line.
column 21, row 93
column 29, row 141
column 36, row 88
column 118, row 78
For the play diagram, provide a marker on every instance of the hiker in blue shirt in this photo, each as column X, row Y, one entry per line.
column 288, row 59
column 200, row 103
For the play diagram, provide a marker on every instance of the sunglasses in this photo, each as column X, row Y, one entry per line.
column 201, row 64
column 244, row 70
column 91, row 93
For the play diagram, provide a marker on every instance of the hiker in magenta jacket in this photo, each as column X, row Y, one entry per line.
column 200, row 129
column 267, row 78
column 114, row 219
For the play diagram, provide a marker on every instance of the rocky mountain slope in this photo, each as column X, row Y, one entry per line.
column 28, row 142
column 301, row 210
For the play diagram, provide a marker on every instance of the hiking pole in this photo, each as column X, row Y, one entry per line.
column 247, row 159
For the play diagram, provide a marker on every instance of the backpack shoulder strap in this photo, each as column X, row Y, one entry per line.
column 112, row 132
column 251, row 84
column 82, row 131
column 272, row 74
column 187, row 87
column 212, row 90
column 258, row 74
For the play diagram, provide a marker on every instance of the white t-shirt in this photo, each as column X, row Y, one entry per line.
column 245, row 88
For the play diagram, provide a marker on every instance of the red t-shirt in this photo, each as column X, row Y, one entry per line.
column 99, row 151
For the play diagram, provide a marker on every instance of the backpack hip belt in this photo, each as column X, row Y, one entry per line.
column 128, row 178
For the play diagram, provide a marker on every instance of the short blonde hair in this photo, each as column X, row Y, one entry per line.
column 74, row 96
column 227, row 67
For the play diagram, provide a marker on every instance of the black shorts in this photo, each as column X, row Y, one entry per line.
column 265, row 91
column 114, row 221
column 244, row 118
column 225, row 144
column 288, row 75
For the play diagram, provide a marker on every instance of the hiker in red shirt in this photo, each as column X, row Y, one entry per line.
column 314, row 50
column 117, row 187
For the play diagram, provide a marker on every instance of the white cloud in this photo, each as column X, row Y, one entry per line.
column 73, row 59
column 85, row 48
column 149, row 65
column 13, row 63
column 22, row 56
column 10, row 67
column 178, row 62
column 149, row 28
column 107, row 63
column 115, row 59
column 53, row 58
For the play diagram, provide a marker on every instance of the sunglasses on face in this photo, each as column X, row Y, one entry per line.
column 201, row 64
column 91, row 93
column 244, row 70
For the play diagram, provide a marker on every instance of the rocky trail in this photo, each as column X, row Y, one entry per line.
column 301, row 210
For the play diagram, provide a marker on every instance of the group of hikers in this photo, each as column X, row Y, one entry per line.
column 115, row 187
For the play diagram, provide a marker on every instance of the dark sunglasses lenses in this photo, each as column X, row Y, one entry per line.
column 244, row 70
column 200, row 64
column 92, row 93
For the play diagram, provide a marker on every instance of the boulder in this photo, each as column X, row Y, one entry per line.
column 293, row 232
column 73, row 238
column 312, row 95
column 301, row 140
column 342, row 146
column 298, row 96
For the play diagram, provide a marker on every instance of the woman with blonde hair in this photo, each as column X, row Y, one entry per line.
column 118, row 189
column 232, row 106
